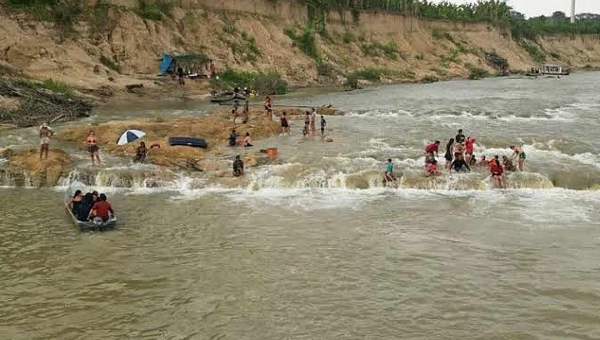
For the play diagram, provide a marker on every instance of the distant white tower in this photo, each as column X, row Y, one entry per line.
column 572, row 11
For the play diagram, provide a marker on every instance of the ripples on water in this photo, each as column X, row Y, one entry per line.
column 320, row 260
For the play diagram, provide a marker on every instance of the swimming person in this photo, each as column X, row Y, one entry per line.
column 433, row 148
column 323, row 124
column 285, row 126
column 247, row 140
column 459, row 164
column 238, row 166
column 232, row 138
column 92, row 143
column 45, row 134
column 388, row 175
column 497, row 173
column 448, row 155
column 518, row 152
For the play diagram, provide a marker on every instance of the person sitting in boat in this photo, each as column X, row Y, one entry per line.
column 247, row 140
column 86, row 206
column 232, row 138
column 141, row 153
column 101, row 209
column 238, row 166
column 76, row 202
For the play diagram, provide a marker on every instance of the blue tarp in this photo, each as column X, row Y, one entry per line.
column 166, row 62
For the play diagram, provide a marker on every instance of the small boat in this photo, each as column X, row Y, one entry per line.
column 227, row 97
column 94, row 224
column 188, row 141
column 554, row 70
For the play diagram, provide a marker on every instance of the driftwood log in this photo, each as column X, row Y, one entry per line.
column 38, row 105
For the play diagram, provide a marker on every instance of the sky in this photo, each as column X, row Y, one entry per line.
column 533, row 8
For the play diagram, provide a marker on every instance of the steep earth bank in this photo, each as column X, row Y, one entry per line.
column 113, row 46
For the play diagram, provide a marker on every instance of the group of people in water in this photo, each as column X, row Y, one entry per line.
column 89, row 206
column 460, row 157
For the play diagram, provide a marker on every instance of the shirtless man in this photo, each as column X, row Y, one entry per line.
column 92, row 143
column 45, row 134
column 518, row 152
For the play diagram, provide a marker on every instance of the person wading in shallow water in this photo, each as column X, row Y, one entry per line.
column 388, row 175
column 45, row 134
column 497, row 172
column 92, row 144
column 518, row 152
column 238, row 167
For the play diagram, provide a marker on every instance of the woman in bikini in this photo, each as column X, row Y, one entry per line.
column 92, row 144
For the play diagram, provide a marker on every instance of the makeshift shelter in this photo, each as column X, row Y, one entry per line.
column 189, row 62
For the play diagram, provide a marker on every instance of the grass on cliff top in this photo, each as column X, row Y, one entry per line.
column 264, row 83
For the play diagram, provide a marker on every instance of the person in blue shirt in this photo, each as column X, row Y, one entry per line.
column 232, row 138
column 388, row 175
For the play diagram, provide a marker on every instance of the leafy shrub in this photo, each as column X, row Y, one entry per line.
column 376, row 49
column 534, row 52
column 264, row 83
column 110, row 64
column 57, row 86
column 348, row 37
column 420, row 56
column 154, row 10
column 476, row 72
column 325, row 69
column 306, row 41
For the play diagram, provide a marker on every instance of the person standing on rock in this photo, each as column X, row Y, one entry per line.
column 45, row 134
column 92, row 144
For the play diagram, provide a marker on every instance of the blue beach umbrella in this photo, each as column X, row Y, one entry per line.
column 129, row 136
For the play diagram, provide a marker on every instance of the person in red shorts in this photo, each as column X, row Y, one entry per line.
column 497, row 172
column 101, row 209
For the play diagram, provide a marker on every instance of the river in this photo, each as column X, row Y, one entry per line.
column 315, row 248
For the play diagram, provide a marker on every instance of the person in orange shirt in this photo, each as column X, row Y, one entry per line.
column 92, row 144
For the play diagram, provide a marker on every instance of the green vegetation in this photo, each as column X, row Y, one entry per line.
column 305, row 41
column 420, row 56
column 348, row 37
column 536, row 53
column 376, row 49
column 110, row 64
column 57, row 86
column 494, row 12
column 373, row 75
column 264, row 83
column 154, row 10
column 476, row 72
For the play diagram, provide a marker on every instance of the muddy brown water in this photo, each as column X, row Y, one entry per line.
column 314, row 248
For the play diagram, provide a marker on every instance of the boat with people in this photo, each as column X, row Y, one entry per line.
column 79, row 209
column 555, row 70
